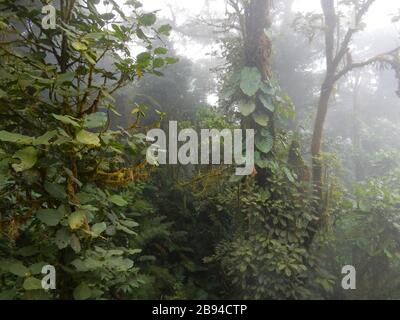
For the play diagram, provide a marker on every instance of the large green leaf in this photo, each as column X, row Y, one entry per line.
column 118, row 200
column 165, row 29
column 50, row 217
column 67, row 120
column 82, row 292
column 267, row 103
column 147, row 19
column 99, row 228
column 45, row 138
column 264, row 144
column 261, row 118
column 75, row 243
column 17, row 268
column 250, row 81
column 27, row 157
column 79, row 46
column 55, row 190
column 246, row 108
column 62, row 238
column 95, row 120
column 76, row 219
column 88, row 138
column 267, row 89
column 15, row 138
column 261, row 163
column 32, row 283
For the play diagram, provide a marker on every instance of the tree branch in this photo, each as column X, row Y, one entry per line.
column 383, row 57
column 349, row 35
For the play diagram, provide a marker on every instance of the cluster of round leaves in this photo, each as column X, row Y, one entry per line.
column 257, row 92
column 55, row 142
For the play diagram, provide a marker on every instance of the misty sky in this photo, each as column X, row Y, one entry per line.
column 378, row 18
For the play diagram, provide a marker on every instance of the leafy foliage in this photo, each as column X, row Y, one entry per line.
column 60, row 162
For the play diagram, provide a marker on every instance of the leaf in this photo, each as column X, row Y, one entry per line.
column 108, row 16
column 6, row 136
column 89, row 58
column 267, row 89
column 147, row 19
column 75, row 243
column 79, row 46
column 32, row 283
column 143, row 58
column 250, row 81
column 27, row 157
column 45, row 139
column 50, row 217
column 72, row 177
column 76, row 219
column 160, row 51
column 99, row 228
column 259, row 161
column 289, row 175
column 88, row 138
column 165, row 29
column 261, row 118
column 158, row 63
column 171, row 60
column 65, row 77
column 67, row 120
column 247, row 107
column 17, row 268
column 118, row 200
column 82, row 292
column 55, row 190
column 95, row 120
column 126, row 230
column 62, row 239
column 107, row 95
column 267, row 103
column 264, row 144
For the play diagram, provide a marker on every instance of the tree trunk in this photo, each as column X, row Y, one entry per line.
column 258, row 50
column 328, row 8
column 323, row 105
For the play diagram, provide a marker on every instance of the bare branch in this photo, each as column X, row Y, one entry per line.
column 383, row 57
column 349, row 35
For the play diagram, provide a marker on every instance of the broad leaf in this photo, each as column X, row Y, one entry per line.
column 118, row 200
column 6, row 136
column 261, row 118
column 88, row 138
column 82, row 292
column 76, row 219
column 246, row 108
column 99, row 228
column 27, row 157
column 50, row 217
column 250, row 81
column 67, row 120
column 264, row 144
column 32, row 283
column 95, row 120
column 267, row 103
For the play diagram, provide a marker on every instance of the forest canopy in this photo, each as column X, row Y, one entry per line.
column 302, row 96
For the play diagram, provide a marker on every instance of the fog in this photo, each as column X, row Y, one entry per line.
column 302, row 94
